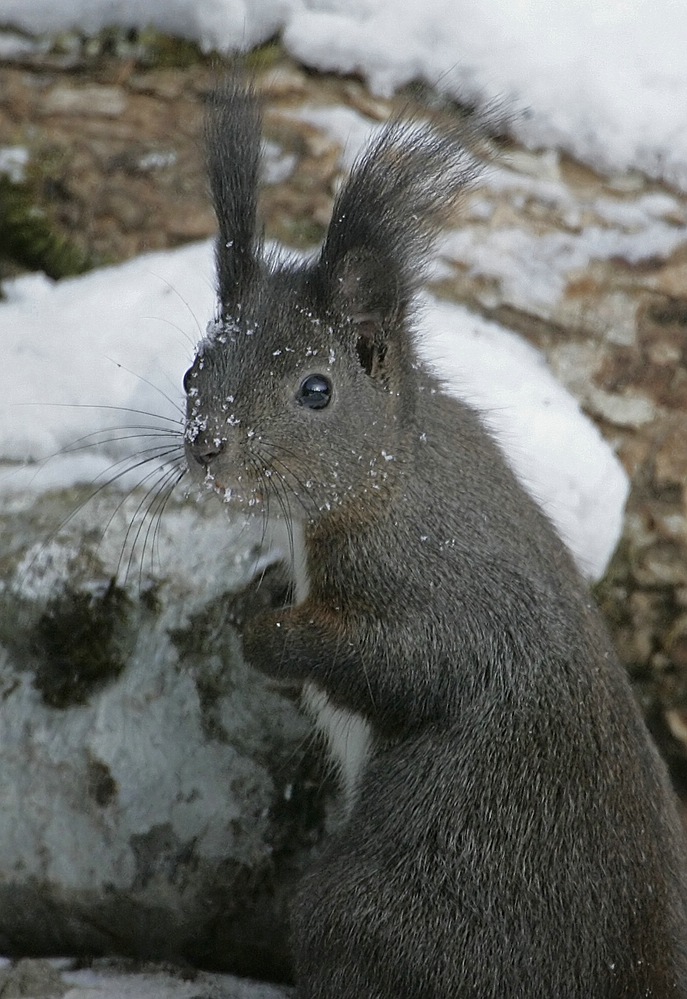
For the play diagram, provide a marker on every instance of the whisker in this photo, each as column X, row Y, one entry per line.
column 282, row 500
column 302, row 494
column 281, row 447
column 265, row 515
column 174, row 326
column 118, row 409
column 83, row 443
column 159, row 454
column 97, row 438
column 270, row 488
column 282, row 497
column 128, row 493
column 257, row 468
column 181, row 298
column 146, row 381
column 158, row 451
column 271, row 447
column 163, row 507
column 150, row 497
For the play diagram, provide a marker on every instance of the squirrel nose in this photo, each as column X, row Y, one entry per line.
column 204, row 452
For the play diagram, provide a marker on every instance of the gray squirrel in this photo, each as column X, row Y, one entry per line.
column 511, row 831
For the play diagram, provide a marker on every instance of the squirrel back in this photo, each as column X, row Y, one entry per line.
column 512, row 832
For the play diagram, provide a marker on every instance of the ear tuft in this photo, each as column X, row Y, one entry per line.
column 401, row 193
column 233, row 136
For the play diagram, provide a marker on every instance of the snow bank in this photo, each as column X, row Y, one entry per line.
column 99, row 356
column 604, row 81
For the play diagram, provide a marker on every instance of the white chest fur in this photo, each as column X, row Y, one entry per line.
column 348, row 735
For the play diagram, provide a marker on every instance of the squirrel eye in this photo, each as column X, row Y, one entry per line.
column 315, row 392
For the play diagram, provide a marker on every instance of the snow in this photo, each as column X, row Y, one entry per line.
column 13, row 162
column 141, row 985
column 535, row 269
column 603, row 81
column 14, row 46
column 100, row 359
column 558, row 454
column 103, row 352
column 553, row 257
column 110, row 979
column 344, row 126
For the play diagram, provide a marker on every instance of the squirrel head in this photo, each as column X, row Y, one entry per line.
column 301, row 394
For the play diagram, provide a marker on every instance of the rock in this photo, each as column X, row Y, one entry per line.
column 676, row 642
column 630, row 412
column 33, row 979
column 40, row 979
column 671, row 456
column 156, row 797
column 91, row 101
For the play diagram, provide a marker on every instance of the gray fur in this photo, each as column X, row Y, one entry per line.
column 514, row 835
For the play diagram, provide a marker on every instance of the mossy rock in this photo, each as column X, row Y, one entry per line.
column 169, row 51
column 29, row 238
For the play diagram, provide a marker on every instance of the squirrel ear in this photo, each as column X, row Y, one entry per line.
column 233, row 135
column 366, row 293
column 365, row 287
column 370, row 346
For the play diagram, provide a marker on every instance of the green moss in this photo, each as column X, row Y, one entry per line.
column 168, row 51
column 146, row 46
column 78, row 644
column 265, row 56
column 29, row 237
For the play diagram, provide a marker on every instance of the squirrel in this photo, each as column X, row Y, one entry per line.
column 511, row 830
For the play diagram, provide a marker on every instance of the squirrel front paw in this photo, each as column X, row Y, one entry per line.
column 297, row 644
column 268, row 591
column 264, row 642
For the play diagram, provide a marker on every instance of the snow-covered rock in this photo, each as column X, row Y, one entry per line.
column 604, row 82
column 149, row 779
column 115, row 980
